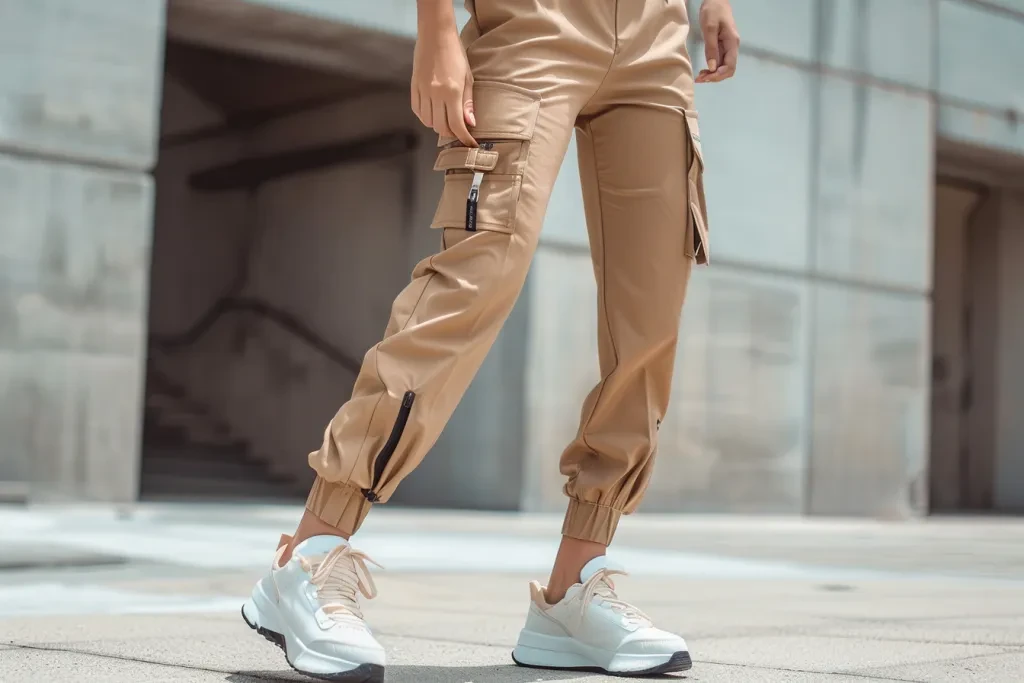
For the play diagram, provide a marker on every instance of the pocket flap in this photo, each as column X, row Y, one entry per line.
column 700, row 236
column 502, row 111
column 467, row 158
column 693, row 127
column 495, row 205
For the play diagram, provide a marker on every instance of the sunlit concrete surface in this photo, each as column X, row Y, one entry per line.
column 156, row 593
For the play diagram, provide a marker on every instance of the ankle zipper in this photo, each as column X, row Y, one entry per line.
column 381, row 461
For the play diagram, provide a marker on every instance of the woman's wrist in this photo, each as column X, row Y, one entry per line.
column 435, row 16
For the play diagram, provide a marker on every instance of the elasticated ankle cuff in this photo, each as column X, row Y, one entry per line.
column 343, row 507
column 590, row 522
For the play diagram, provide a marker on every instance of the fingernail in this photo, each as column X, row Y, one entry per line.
column 472, row 119
column 712, row 65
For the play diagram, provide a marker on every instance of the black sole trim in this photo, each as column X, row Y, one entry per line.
column 364, row 673
column 680, row 661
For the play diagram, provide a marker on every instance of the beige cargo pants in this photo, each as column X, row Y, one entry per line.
column 616, row 71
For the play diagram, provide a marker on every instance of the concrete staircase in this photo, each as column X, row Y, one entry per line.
column 189, row 454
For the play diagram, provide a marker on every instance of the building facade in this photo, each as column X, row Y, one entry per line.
column 851, row 349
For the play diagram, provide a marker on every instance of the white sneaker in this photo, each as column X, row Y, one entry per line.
column 591, row 629
column 309, row 608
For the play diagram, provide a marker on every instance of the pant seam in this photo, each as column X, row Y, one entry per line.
column 611, row 62
column 348, row 476
column 376, row 368
column 604, row 290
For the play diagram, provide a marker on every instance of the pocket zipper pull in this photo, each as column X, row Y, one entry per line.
column 471, row 201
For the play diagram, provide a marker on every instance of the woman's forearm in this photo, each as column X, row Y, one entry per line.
column 434, row 17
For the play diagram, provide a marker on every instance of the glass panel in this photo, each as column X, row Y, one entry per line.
column 756, row 139
column 981, row 56
column 875, row 195
column 982, row 128
column 872, row 36
column 869, row 441
column 735, row 436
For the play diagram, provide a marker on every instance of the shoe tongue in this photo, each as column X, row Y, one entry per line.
column 319, row 545
column 594, row 566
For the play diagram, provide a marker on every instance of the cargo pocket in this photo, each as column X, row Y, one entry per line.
column 697, row 225
column 482, row 185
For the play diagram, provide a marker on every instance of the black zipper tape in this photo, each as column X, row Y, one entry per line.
column 472, row 200
column 381, row 462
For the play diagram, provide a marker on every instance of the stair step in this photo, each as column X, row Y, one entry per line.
column 214, row 469
column 235, row 452
column 198, row 432
column 157, row 433
column 232, row 462
column 179, row 413
column 181, row 436
column 156, row 387
column 189, row 453
column 183, row 486
column 161, row 400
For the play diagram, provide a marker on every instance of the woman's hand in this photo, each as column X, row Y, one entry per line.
column 721, row 41
column 442, row 83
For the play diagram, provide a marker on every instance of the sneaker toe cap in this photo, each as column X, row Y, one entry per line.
column 653, row 641
column 352, row 645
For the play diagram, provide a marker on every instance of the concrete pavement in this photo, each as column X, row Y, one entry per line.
column 758, row 599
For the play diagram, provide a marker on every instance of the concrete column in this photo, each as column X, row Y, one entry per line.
column 79, row 86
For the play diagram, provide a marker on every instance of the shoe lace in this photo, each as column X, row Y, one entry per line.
column 600, row 587
column 339, row 576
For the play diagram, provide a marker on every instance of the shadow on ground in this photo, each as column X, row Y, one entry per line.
column 399, row 673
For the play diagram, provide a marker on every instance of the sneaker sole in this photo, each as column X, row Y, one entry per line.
column 679, row 661
column 364, row 673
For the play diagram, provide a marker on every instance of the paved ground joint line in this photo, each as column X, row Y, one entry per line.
column 761, row 667
column 140, row 660
column 435, row 639
column 1012, row 647
column 942, row 660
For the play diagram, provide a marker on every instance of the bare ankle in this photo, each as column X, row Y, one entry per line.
column 309, row 526
column 573, row 555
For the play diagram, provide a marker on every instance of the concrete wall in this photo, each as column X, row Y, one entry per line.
column 79, row 86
